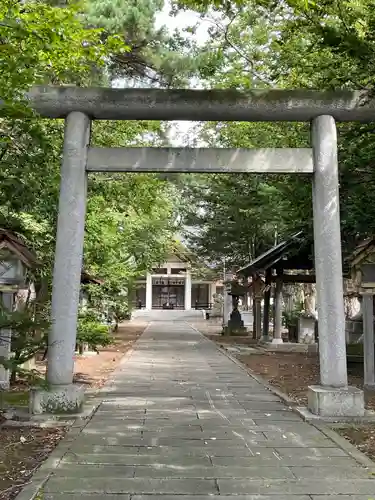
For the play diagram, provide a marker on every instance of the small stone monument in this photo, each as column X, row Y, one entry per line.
column 217, row 307
column 307, row 319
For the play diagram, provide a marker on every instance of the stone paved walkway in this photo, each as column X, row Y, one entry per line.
column 181, row 419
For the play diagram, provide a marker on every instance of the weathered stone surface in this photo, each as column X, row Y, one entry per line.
column 57, row 399
column 74, row 471
column 308, row 462
column 138, row 459
column 341, row 497
column 154, row 446
column 266, row 406
column 333, row 471
column 67, row 269
column 202, row 105
column 314, row 452
column 296, row 487
column 334, row 402
column 119, row 485
column 80, row 496
column 227, row 497
column 214, row 472
column 271, row 160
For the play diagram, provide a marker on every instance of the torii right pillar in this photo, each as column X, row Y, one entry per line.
column 333, row 398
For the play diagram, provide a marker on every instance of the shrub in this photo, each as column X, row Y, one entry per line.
column 90, row 331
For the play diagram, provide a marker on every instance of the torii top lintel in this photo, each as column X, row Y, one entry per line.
column 202, row 105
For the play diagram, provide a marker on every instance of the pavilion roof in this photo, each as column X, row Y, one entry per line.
column 294, row 253
column 16, row 245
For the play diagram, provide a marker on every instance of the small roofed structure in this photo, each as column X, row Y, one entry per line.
column 88, row 279
column 291, row 261
column 15, row 260
column 362, row 273
column 361, row 264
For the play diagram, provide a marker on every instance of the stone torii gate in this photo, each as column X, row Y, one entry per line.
column 78, row 106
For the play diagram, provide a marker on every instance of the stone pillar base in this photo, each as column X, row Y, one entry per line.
column 369, row 392
column 277, row 341
column 57, row 399
column 336, row 402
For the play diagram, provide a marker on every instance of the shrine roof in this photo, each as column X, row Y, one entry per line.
column 360, row 253
column 87, row 278
column 294, row 253
column 16, row 245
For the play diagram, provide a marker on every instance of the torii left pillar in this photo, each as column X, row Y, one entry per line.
column 62, row 396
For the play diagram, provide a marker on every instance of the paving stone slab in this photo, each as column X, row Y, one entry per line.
column 214, row 472
column 277, row 461
column 82, row 446
column 311, row 452
column 70, row 471
column 335, row 472
column 273, row 416
column 158, row 451
column 221, row 451
column 80, row 496
column 256, row 396
column 296, row 487
column 291, row 443
column 113, row 430
column 268, row 406
column 166, row 435
column 341, row 497
column 119, row 458
column 283, row 427
column 227, row 497
column 132, row 486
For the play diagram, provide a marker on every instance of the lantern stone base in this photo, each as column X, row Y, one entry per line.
column 57, row 399
column 235, row 331
column 336, row 402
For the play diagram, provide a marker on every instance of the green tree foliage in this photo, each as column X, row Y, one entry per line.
column 291, row 44
column 129, row 217
column 155, row 57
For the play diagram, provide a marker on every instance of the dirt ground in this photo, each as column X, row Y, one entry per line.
column 22, row 450
column 95, row 369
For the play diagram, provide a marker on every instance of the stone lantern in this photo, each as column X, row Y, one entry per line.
column 235, row 290
column 15, row 260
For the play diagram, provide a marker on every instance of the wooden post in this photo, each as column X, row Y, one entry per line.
column 278, row 311
column 257, row 288
column 266, row 308
column 254, row 314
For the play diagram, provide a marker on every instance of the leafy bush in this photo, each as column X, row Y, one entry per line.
column 90, row 331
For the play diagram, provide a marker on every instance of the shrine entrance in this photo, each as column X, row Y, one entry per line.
column 168, row 293
column 79, row 106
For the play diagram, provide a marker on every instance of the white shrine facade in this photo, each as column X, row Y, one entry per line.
column 172, row 286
